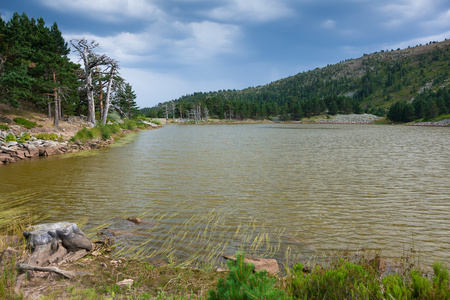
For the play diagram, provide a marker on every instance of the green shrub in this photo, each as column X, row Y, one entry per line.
column 346, row 280
column 157, row 122
column 115, row 128
column 4, row 127
column 11, row 138
column 83, row 135
column 24, row 137
column 242, row 283
column 48, row 136
column 129, row 124
column 115, row 117
column 105, row 132
column 27, row 124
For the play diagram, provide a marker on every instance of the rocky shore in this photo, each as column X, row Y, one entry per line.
column 350, row 119
column 13, row 151
column 441, row 123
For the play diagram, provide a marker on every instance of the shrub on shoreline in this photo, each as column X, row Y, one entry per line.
column 27, row 124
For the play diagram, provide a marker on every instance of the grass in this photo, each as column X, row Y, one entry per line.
column 105, row 132
column 4, row 127
column 339, row 275
column 49, row 137
column 24, row 122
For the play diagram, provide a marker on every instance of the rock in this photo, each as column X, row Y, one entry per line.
column 269, row 265
column 135, row 220
column 378, row 263
column 125, row 282
column 49, row 243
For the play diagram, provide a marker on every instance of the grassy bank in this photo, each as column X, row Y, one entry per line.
column 343, row 275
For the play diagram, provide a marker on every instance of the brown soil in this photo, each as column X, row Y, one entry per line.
column 67, row 127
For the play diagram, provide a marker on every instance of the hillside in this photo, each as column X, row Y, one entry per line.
column 372, row 83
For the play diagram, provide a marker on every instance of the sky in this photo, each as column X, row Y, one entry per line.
column 170, row 48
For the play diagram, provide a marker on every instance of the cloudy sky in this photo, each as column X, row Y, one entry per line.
column 170, row 48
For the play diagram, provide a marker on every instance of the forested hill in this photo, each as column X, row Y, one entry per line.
column 372, row 83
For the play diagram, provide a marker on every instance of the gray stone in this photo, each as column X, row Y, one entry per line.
column 49, row 243
column 68, row 233
column 11, row 143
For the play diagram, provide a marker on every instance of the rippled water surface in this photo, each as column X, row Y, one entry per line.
column 319, row 187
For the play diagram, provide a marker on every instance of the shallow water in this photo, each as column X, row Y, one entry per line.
column 312, row 188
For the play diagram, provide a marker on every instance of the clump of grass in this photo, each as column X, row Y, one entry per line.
column 49, row 136
column 24, row 137
column 128, row 124
column 4, row 127
column 83, row 135
column 157, row 122
column 105, row 131
column 27, row 124
column 11, row 138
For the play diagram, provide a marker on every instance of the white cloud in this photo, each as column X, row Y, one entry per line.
column 109, row 10
column 251, row 10
column 205, row 40
column 178, row 43
column 402, row 11
column 328, row 24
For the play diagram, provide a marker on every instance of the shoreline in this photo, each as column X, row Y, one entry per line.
column 14, row 151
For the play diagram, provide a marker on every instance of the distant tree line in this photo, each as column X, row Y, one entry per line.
column 35, row 68
column 427, row 105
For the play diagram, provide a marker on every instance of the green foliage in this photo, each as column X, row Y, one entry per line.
column 27, row 124
column 115, row 128
column 129, row 124
column 105, row 132
column 4, row 127
column 36, row 63
column 157, row 122
column 114, row 116
column 10, row 138
column 83, row 135
column 48, row 136
column 242, row 283
column 24, row 137
column 347, row 280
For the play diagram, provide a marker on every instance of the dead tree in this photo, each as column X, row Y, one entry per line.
column 167, row 113
column 91, row 60
column 113, row 71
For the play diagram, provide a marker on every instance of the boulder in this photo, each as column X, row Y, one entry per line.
column 270, row 265
column 49, row 243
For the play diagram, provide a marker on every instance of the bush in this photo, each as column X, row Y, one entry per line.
column 48, row 136
column 115, row 128
column 24, row 137
column 157, row 122
column 83, row 135
column 105, row 132
column 11, row 138
column 27, row 124
column 347, row 280
column 4, row 127
column 242, row 283
column 129, row 124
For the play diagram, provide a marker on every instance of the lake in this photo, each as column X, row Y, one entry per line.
column 271, row 189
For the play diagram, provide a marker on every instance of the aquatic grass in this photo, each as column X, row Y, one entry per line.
column 199, row 241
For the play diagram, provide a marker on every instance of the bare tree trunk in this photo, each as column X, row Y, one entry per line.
column 108, row 97
column 173, row 111
column 49, row 109
column 55, row 100
column 167, row 114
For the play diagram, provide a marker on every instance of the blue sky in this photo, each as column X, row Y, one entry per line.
column 170, row 48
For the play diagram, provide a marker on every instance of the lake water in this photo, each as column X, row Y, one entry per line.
column 266, row 188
